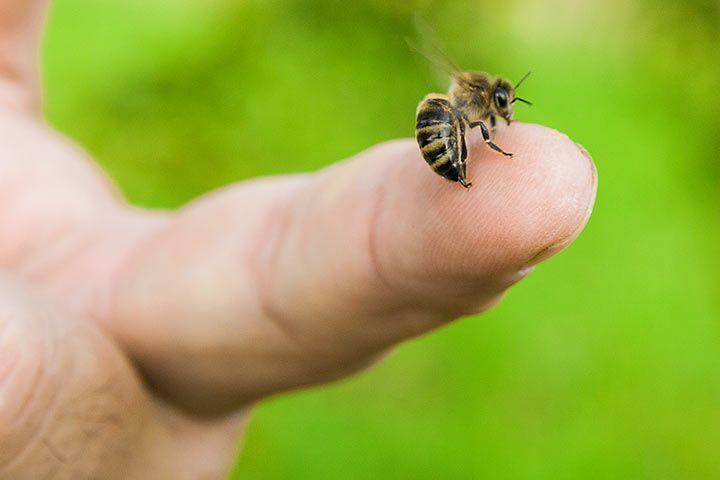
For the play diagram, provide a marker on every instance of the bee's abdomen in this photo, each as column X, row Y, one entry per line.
column 429, row 134
column 434, row 111
column 436, row 133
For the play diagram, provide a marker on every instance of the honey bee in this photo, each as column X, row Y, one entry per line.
column 475, row 99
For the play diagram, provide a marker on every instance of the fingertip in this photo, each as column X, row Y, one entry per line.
column 520, row 210
column 547, row 190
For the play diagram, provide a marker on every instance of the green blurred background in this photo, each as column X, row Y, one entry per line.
column 605, row 363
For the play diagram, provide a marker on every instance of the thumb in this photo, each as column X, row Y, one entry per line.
column 291, row 282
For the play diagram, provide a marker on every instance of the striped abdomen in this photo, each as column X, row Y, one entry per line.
column 439, row 134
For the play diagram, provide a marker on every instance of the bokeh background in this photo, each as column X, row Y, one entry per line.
column 605, row 363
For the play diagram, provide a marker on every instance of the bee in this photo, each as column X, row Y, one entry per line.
column 475, row 99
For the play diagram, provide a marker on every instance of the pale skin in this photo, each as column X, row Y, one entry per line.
column 134, row 343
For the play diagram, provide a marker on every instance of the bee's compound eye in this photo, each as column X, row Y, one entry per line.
column 501, row 98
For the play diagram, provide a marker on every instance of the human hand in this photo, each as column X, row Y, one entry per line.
column 259, row 288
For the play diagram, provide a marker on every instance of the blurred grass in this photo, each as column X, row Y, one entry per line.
column 605, row 363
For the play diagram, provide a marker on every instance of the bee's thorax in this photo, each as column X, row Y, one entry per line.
column 470, row 94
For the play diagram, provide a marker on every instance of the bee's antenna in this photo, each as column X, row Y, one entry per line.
column 517, row 85
column 518, row 99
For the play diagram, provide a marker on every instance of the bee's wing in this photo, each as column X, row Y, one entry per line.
column 435, row 56
column 430, row 48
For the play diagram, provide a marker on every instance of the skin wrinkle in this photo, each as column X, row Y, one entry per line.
column 40, row 378
column 372, row 241
column 109, row 416
column 108, row 410
column 103, row 309
column 70, row 244
column 266, row 248
column 97, row 416
column 101, row 306
column 7, row 365
column 269, row 252
column 39, row 434
column 89, row 432
column 61, row 459
column 374, row 277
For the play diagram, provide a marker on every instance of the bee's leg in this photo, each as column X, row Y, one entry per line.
column 493, row 123
column 462, row 175
column 462, row 178
column 463, row 149
column 486, row 137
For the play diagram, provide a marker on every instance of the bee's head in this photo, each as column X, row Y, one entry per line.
column 502, row 98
